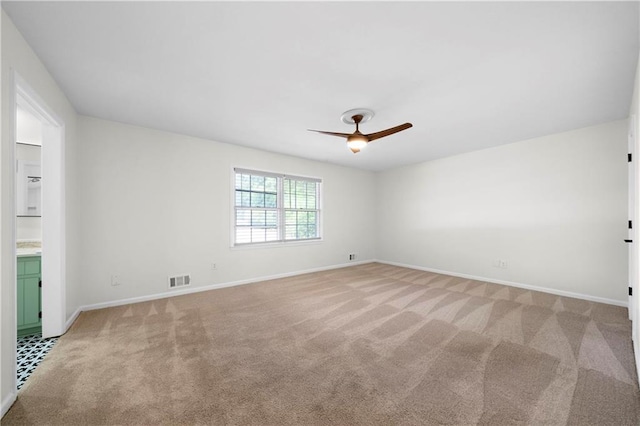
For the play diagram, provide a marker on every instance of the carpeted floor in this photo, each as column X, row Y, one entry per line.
column 369, row 344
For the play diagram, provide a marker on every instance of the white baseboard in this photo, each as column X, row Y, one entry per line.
column 8, row 402
column 208, row 287
column 513, row 284
column 636, row 353
column 180, row 292
column 72, row 319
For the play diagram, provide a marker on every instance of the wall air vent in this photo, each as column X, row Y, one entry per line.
column 179, row 281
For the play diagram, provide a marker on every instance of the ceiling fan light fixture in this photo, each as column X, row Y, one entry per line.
column 357, row 142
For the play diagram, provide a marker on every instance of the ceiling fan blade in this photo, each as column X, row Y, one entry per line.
column 343, row 135
column 383, row 133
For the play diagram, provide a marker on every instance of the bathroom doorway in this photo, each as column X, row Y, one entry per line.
column 28, row 222
column 39, row 237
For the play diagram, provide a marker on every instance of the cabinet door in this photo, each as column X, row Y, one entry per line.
column 31, row 300
column 20, row 301
column 31, row 266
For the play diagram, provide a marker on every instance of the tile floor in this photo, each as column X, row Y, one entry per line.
column 31, row 351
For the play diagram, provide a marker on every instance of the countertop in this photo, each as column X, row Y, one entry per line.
column 30, row 251
column 29, row 248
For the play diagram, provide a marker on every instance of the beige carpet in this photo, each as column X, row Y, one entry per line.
column 370, row 344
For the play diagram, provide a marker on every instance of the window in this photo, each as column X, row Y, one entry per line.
column 271, row 207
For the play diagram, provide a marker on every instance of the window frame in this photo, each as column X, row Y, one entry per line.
column 280, row 208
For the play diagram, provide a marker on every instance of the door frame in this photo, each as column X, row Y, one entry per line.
column 634, row 235
column 53, row 210
column 633, row 260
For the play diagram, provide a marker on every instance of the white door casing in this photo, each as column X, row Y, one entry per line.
column 53, row 208
column 632, row 223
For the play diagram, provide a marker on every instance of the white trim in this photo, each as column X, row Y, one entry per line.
column 208, row 287
column 512, row 284
column 636, row 353
column 53, row 204
column 281, row 177
column 631, row 248
column 277, row 244
column 41, row 110
column 13, row 349
column 8, row 402
column 53, row 265
column 71, row 320
column 249, row 170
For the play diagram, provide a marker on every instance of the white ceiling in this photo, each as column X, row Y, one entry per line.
column 467, row 75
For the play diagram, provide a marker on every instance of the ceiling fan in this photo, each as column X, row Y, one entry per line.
column 356, row 140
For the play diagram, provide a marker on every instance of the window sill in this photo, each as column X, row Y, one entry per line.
column 279, row 244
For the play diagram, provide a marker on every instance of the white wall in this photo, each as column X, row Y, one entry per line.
column 28, row 128
column 144, row 204
column 18, row 56
column 554, row 207
column 28, row 152
column 156, row 204
column 28, row 228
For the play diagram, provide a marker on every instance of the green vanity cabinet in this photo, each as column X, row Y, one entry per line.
column 29, row 295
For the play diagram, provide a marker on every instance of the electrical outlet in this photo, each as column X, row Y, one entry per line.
column 501, row 263
column 115, row 280
column 214, row 266
column 352, row 256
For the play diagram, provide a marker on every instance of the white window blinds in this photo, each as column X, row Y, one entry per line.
column 271, row 207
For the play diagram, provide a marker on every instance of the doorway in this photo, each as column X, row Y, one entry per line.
column 39, row 200
column 28, row 221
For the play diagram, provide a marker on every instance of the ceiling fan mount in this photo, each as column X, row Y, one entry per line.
column 356, row 141
column 348, row 117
